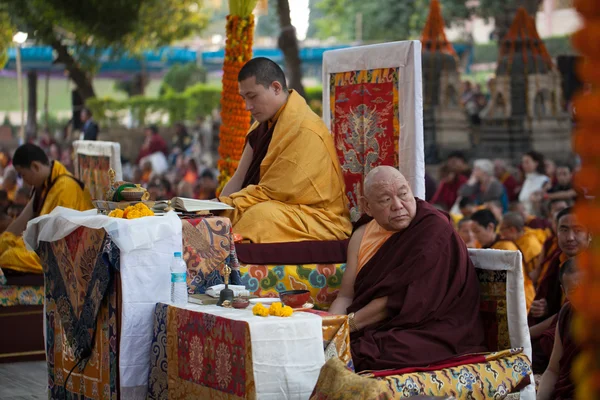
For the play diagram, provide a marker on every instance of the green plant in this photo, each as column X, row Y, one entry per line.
column 313, row 93
column 181, row 76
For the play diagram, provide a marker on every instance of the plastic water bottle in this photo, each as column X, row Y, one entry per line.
column 179, row 293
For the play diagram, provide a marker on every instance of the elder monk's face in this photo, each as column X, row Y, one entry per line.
column 391, row 203
column 262, row 102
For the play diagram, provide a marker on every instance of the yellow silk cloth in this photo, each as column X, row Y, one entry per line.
column 300, row 195
column 529, row 288
column 65, row 192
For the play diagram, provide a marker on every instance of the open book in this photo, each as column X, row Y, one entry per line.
column 193, row 205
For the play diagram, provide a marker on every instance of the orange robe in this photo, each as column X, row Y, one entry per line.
column 531, row 244
column 373, row 238
column 529, row 288
column 59, row 190
column 300, row 192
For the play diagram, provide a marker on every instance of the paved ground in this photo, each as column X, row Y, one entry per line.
column 23, row 381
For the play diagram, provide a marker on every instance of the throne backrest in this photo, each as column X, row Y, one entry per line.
column 372, row 104
column 502, row 297
column 93, row 160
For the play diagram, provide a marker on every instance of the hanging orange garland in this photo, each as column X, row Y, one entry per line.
column 235, row 120
column 586, row 369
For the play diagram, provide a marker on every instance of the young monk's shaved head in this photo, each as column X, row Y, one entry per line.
column 389, row 199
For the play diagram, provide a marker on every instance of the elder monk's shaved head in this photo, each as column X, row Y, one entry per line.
column 389, row 198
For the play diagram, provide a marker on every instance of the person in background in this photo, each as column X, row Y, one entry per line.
column 465, row 231
column 10, row 183
column 550, row 248
column 191, row 171
column 531, row 221
column 467, row 207
column 90, row 128
column 506, row 179
column 452, row 176
column 182, row 140
column 208, row 186
column 550, row 170
column 483, row 186
column 66, row 158
column 535, row 181
column 556, row 383
column 5, row 219
column 157, row 190
column 19, row 203
column 563, row 189
column 154, row 143
column 496, row 208
column 529, row 242
column 430, row 187
column 485, row 227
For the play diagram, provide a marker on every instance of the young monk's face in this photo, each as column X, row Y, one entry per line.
column 465, row 231
column 391, row 203
column 573, row 237
column 262, row 102
column 484, row 235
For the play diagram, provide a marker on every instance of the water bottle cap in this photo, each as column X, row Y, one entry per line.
column 177, row 254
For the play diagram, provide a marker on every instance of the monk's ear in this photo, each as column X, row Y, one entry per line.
column 277, row 88
column 364, row 204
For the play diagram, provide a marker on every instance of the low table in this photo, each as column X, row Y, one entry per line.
column 205, row 351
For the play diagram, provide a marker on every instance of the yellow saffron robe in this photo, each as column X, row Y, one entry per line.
column 63, row 191
column 531, row 245
column 529, row 288
column 300, row 195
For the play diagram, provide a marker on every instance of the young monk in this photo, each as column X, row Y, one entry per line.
column 409, row 289
column 465, row 231
column 485, row 228
column 289, row 184
column 513, row 228
column 54, row 186
column 556, row 382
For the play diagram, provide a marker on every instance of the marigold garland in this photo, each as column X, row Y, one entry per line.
column 586, row 369
column 276, row 309
column 235, row 119
column 132, row 212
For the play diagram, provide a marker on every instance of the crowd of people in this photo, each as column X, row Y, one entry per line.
column 293, row 190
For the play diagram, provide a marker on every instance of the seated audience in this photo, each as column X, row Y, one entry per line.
column 181, row 140
column 465, row 231
column 53, row 187
column 483, row 186
column 535, row 181
column 550, row 248
column 453, row 175
column 288, row 185
column 485, row 228
column 467, row 207
column 556, row 383
column 563, row 189
column 10, row 183
column 407, row 305
column 506, row 179
column 528, row 240
column 154, row 143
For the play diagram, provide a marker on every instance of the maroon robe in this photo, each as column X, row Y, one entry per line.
column 549, row 289
column 564, row 388
column 433, row 297
column 259, row 139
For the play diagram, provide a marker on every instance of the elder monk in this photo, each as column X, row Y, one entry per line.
column 289, row 184
column 410, row 289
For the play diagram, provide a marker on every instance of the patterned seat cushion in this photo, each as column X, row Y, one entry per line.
column 493, row 311
column 499, row 375
column 322, row 280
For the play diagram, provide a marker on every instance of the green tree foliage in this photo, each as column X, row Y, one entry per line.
column 386, row 20
column 268, row 25
column 80, row 32
column 6, row 33
column 181, row 76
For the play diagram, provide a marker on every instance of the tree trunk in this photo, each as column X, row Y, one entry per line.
column 31, row 128
column 85, row 88
column 46, row 95
column 288, row 44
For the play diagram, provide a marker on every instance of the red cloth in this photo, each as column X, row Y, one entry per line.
column 539, row 223
column 511, row 185
column 433, row 297
column 453, row 362
column 259, row 139
column 157, row 144
column 542, row 348
column 564, row 387
column 447, row 192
